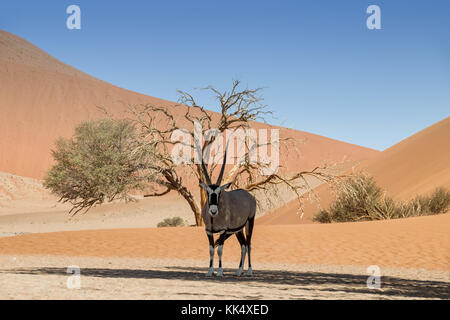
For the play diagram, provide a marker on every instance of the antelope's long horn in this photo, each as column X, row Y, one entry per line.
column 205, row 171
column 219, row 180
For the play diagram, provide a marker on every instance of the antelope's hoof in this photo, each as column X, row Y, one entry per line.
column 219, row 273
column 210, row 272
column 238, row 272
column 249, row 272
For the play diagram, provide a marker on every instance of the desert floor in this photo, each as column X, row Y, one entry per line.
column 289, row 262
column 47, row 277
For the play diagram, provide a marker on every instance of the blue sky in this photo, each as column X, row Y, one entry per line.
column 322, row 69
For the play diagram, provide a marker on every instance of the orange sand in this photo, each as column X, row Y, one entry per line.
column 415, row 166
column 422, row 242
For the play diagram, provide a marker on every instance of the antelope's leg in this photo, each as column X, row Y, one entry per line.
column 219, row 253
column 241, row 238
column 249, row 231
column 211, row 255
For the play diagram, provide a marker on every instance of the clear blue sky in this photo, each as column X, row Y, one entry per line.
column 323, row 70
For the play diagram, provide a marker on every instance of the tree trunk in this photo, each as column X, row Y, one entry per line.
column 198, row 219
column 203, row 199
column 193, row 204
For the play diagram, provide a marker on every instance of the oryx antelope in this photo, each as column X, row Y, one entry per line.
column 227, row 213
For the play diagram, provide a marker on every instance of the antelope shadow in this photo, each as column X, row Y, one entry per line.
column 350, row 283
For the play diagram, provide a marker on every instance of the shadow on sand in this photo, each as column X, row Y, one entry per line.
column 391, row 287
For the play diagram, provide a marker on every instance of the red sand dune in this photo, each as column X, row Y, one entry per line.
column 42, row 98
column 414, row 166
column 288, row 213
column 422, row 242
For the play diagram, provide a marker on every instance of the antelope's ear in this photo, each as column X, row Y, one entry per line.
column 226, row 186
column 202, row 184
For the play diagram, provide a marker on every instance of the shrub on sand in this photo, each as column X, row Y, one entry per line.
column 360, row 199
column 171, row 222
column 323, row 216
column 439, row 201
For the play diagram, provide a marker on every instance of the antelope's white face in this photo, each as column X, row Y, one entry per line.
column 214, row 192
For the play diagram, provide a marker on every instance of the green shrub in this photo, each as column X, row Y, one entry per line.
column 171, row 222
column 360, row 199
column 439, row 201
column 323, row 216
column 412, row 208
column 97, row 164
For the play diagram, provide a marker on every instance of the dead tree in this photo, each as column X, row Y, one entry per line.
column 238, row 109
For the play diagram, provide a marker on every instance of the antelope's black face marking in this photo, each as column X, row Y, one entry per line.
column 213, row 199
column 214, row 191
